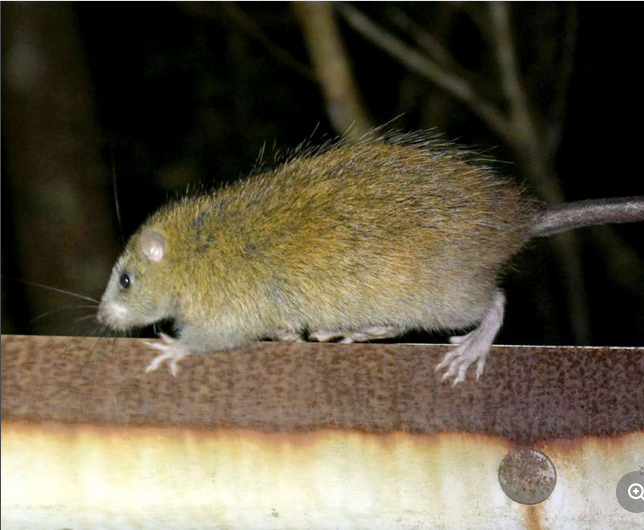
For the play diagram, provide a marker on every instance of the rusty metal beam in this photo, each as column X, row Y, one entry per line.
column 310, row 435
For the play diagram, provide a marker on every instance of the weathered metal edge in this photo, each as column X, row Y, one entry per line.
column 526, row 395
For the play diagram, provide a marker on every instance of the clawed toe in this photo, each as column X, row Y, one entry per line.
column 157, row 361
column 459, row 359
column 460, row 362
column 473, row 346
column 156, row 345
column 447, row 359
column 172, row 351
column 459, row 339
column 325, row 335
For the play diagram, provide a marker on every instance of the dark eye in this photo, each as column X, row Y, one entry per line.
column 126, row 280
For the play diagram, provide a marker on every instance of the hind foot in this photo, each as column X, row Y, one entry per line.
column 475, row 345
column 287, row 335
column 347, row 337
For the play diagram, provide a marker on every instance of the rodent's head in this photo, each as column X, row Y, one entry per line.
column 137, row 293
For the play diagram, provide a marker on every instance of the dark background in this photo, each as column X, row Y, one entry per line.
column 154, row 97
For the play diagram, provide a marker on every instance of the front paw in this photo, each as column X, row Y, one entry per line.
column 172, row 351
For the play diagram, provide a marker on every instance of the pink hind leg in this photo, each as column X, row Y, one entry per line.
column 475, row 345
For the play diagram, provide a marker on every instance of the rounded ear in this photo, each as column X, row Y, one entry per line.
column 153, row 245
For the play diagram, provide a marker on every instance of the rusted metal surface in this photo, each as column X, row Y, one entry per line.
column 311, row 436
column 526, row 394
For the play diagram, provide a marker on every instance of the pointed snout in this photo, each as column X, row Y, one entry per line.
column 114, row 315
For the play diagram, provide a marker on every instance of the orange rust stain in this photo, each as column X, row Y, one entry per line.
column 533, row 517
column 223, row 471
column 309, row 440
column 390, row 476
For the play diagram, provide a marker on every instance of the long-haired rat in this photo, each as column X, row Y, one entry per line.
column 356, row 242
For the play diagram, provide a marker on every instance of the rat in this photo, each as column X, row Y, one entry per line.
column 354, row 242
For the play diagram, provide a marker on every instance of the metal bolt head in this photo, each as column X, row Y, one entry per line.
column 527, row 476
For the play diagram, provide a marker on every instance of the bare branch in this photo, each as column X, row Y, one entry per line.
column 245, row 23
column 505, row 54
column 537, row 159
column 566, row 69
column 455, row 85
column 434, row 49
column 344, row 104
column 423, row 38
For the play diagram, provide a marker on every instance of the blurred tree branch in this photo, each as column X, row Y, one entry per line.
column 560, row 89
column 344, row 105
column 244, row 22
column 432, row 47
column 431, row 69
column 211, row 10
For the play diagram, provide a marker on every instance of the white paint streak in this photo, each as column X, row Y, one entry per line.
column 62, row 476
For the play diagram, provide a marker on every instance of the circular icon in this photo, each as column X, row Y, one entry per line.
column 636, row 491
column 630, row 492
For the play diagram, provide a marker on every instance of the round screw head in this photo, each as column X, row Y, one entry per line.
column 527, row 476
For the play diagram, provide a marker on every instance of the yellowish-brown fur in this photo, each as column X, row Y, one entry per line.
column 406, row 234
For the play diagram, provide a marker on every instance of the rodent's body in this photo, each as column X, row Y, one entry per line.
column 354, row 237
column 394, row 236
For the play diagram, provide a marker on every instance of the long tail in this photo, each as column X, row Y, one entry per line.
column 589, row 213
